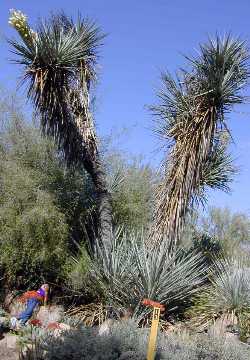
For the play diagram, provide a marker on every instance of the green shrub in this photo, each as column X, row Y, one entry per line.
column 33, row 240
column 230, row 229
column 43, row 205
column 132, row 197
column 78, row 270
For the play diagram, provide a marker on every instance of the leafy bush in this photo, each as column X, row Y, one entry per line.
column 133, row 195
column 43, row 204
column 230, row 229
column 33, row 231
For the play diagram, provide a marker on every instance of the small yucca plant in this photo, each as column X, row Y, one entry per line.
column 128, row 272
column 228, row 296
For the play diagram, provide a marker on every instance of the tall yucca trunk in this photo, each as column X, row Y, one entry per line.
column 92, row 160
column 183, row 176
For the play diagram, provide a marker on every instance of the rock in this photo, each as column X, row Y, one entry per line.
column 9, row 347
column 11, row 341
column 105, row 327
column 3, row 320
column 50, row 314
column 232, row 336
column 8, row 354
column 221, row 326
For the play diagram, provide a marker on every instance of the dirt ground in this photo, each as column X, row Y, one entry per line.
column 8, row 347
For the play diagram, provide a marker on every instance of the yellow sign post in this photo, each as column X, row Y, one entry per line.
column 157, row 308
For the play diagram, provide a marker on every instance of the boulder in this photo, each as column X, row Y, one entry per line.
column 221, row 326
column 11, row 341
column 105, row 327
column 230, row 336
column 50, row 314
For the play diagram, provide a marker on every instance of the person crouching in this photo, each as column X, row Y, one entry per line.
column 31, row 300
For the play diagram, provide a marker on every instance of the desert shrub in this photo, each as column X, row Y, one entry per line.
column 33, row 231
column 227, row 296
column 79, row 280
column 126, row 341
column 44, row 205
column 205, row 244
column 202, row 347
column 231, row 229
column 132, row 198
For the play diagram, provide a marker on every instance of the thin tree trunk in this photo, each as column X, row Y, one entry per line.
column 93, row 163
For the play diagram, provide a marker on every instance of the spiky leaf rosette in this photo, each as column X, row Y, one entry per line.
column 59, row 68
column 128, row 271
column 218, row 170
column 191, row 112
column 228, row 294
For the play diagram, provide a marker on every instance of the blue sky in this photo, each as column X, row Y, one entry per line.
column 145, row 37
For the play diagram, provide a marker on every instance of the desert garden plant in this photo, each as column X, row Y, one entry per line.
column 59, row 61
column 127, row 271
column 228, row 296
column 192, row 114
column 128, row 342
column 44, row 206
column 231, row 229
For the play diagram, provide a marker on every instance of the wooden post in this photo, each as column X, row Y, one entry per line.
column 157, row 308
column 153, row 333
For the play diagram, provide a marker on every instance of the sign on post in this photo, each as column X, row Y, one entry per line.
column 157, row 308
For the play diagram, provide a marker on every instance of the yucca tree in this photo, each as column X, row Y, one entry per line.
column 191, row 117
column 59, row 61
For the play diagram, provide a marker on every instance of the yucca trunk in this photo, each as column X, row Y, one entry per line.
column 104, row 200
column 92, row 160
column 183, row 176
